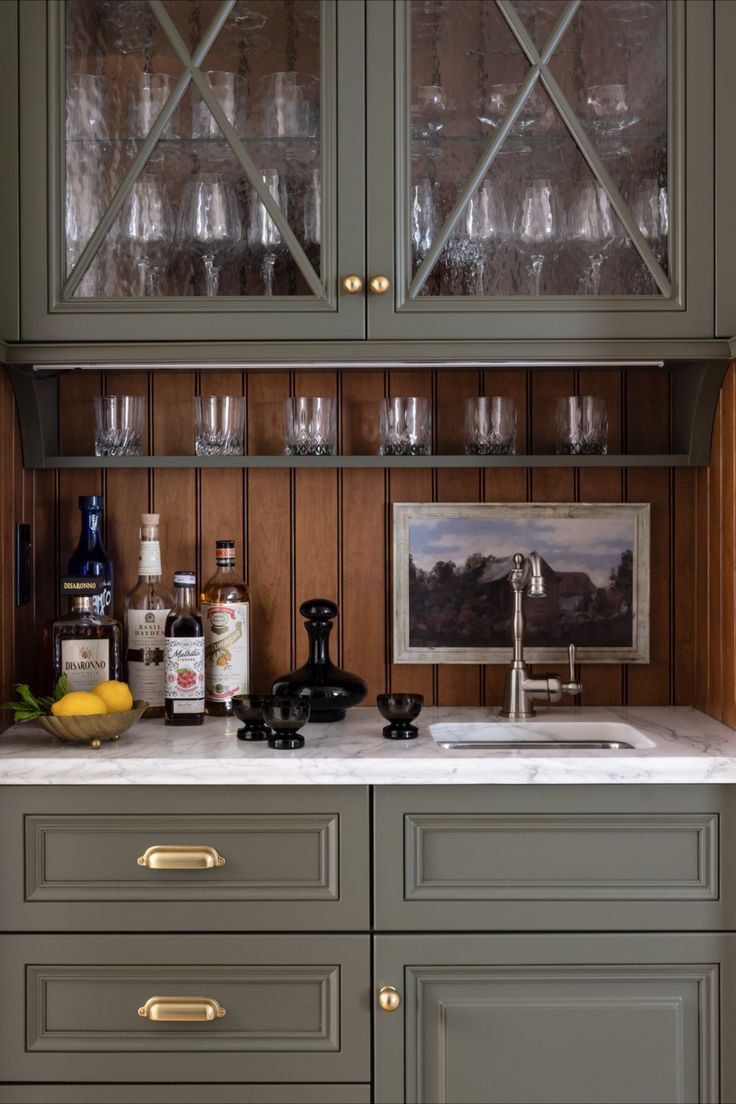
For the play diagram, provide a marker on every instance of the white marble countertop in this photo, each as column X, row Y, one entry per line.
column 689, row 747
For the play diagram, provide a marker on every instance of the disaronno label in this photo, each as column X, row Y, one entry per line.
column 184, row 663
column 226, row 633
column 85, row 662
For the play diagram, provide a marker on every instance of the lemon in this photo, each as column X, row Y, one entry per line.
column 116, row 695
column 78, row 703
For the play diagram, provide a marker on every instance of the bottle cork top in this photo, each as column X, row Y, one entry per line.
column 150, row 519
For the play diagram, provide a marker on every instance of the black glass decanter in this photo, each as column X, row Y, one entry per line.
column 329, row 689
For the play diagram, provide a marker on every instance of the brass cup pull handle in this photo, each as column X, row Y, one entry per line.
column 379, row 285
column 165, row 856
column 352, row 284
column 389, row 998
column 182, row 1010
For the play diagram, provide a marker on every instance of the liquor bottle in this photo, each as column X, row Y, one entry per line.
column 146, row 608
column 85, row 646
column 90, row 557
column 184, row 655
column 225, row 606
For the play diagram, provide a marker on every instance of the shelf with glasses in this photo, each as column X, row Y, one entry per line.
column 542, row 460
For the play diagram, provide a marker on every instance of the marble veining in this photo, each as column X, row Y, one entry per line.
column 688, row 747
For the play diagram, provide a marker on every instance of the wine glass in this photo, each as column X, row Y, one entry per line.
column 606, row 108
column 147, row 227
column 209, row 222
column 651, row 214
column 536, row 228
column 483, row 223
column 426, row 219
column 264, row 236
column 592, row 228
column 430, row 109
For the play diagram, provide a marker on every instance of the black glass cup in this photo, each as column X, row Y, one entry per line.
column 400, row 710
column 248, row 708
column 286, row 716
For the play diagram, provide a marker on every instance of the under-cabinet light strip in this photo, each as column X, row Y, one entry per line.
column 327, row 365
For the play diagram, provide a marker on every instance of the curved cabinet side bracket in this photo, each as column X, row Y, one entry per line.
column 694, row 399
column 37, row 402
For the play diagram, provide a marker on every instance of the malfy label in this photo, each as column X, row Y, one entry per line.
column 146, row 628
column 184, row 665
column 227, row 651
column 85, row 662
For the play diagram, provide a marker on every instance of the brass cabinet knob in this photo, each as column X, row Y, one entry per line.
column 352, row 284
column 389, row 998
column 164, row 856
column 379, row 285
column 182, row 1010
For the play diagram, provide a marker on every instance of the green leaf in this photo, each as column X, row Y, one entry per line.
column 24, row 693
column 61, row 688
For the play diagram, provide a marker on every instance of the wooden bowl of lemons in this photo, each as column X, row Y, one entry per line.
column 91, row 717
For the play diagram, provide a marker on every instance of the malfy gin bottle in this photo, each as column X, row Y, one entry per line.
column 146, row 609
column 85, row 646
column 184, row 655
column 90, row 557
column 225, row 608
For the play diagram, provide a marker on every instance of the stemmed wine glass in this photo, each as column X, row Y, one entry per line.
column 593, row 230
column 483, row 224
column 425, row 218
column 650, row 211
column 209, row 222
column 147, row 227
column 83, row 212
column 536, row 228
column 264, row 236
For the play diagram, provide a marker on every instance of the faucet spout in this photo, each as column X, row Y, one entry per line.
column 536, row 587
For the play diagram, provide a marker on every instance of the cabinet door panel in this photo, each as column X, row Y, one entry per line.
column 541, row 187
column 196, row 175
column 185, row 1094
column 551, row 1019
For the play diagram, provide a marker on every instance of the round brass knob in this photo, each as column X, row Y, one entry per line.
column 379, row 285
column 389, row 998
column 352, row 284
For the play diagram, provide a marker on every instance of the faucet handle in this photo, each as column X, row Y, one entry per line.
column 572, row 686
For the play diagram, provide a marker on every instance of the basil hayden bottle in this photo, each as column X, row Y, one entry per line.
column 146, row 609
column 184, row 655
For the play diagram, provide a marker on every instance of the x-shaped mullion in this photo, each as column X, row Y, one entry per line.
column 539, row 71
column 191, row 63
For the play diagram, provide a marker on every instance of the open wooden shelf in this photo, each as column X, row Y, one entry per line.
column 629, row 460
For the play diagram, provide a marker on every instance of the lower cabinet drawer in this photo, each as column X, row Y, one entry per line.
column 184, row 858
column 520, row 858
column 185, row 1094
column 185, row 1008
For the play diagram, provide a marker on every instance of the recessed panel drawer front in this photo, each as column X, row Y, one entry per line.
column 182, row 1008
column 472, row 857
column 185, row 1094
column 138, row 860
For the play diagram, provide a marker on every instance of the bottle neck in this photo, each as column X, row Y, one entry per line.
column 149, row 561
column 91, row 525
column 319, row 648
column 184, row 598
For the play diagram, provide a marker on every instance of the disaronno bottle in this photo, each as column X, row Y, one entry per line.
column 146, row 609
column 184, row 655
column 85, row 646
column 225, row 608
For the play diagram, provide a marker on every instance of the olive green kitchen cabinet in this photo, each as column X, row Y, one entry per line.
column 396, row 172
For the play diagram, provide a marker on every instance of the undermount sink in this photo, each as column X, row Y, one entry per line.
column 541, row 735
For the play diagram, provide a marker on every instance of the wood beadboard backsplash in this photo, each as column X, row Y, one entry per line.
column 303, row 533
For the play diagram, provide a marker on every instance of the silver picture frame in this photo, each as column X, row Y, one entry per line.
column 412, row 520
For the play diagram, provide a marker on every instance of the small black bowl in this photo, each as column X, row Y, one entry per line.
column 249, row 709
column 400, row 710
column 286, row 716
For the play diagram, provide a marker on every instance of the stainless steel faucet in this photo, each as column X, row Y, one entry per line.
column 521, row 688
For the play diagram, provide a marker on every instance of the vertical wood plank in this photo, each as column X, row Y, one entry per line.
column 363, row 566
column 603, row 682
column 684, row 583
column 408, row 486
column 7, row 512
column 221, row 491
column 728, row 539
column 76, row 437
column 126, row 497
column 175, row 489
column 715, row 590
column 269, row 520
column 457, row 684
column 702, row 634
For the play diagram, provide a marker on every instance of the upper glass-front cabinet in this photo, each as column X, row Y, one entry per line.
column 540, row 182
column 193, row 168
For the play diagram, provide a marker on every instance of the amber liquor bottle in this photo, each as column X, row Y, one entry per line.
column 84, row 645
column 225, row 605
column 184, row 655
column 146, row 609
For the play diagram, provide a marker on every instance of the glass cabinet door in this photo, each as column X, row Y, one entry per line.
column 197, row 172
column 539, row 167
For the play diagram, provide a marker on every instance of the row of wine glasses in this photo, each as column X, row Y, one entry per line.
column 212, row 218
column 99, row 109
column 536, row 226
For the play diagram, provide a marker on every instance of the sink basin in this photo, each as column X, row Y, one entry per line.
column 541, row 735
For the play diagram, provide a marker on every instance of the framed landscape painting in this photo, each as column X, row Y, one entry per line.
column 453, row 602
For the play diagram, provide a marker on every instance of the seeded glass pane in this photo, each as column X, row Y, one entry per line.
column 192, row 224
column 540, row 223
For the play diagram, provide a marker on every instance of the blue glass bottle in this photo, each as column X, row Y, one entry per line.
column 90, row 557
